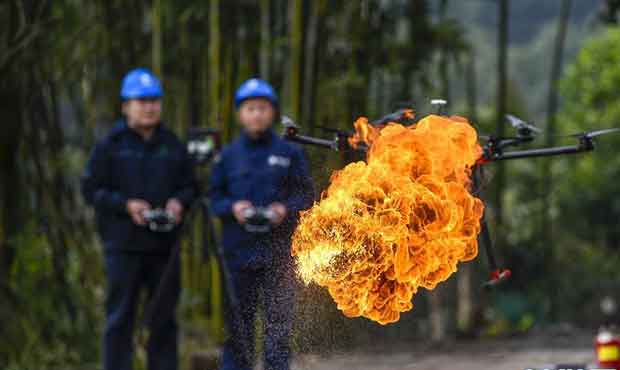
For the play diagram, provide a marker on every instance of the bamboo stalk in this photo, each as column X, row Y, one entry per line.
column 295, row 40
column 265, row 38
column 214, row 62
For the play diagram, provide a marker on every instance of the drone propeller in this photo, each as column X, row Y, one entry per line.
column 288, row 122
column 521, row 125
column 595, row 133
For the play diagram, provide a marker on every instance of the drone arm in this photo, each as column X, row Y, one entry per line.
column 545, row 152
column 497, row 275
column 331, row 144
column 512, row 142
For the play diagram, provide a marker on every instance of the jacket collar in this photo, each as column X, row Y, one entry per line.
column 264, row 139
column 123, row 126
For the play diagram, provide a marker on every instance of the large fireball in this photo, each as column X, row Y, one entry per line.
column 401, row 220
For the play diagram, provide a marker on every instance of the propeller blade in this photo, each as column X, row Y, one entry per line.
column 288, row 122
column 514, row 121
column 520, row 124
column 592, row 134
column 602, row 132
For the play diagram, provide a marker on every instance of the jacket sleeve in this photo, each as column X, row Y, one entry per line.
column 301, row 193
column 95, row 182
column 186, row 187
column 221, row 202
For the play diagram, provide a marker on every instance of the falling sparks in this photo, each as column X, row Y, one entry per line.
column 399, row 221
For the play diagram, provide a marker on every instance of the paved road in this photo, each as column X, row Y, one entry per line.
column 523, row 353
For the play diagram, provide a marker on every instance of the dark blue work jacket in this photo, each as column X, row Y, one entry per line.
column 262, row 171
column 122, row 166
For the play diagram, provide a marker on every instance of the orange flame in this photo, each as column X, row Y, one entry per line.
column 366, row 133
column 397, row 222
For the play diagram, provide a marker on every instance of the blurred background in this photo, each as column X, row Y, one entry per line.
column 555, row 221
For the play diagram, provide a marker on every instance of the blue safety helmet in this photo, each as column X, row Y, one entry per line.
column 255, row 88
column 141, row 83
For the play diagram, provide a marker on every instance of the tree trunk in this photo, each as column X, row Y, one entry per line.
column 464, row 314
column 444, row 73
column 295, row 40
column 194, row 87
column 214, row 64
column 317, row 8
column 182, row 100
column 436, row 319
column 10, row 213
column 610, row 13
column 265, row 39
column 156, row 46
column 547, row 175
column 552, row 107
column 11, row 101
column 471, row 87
column 227, row 87
column 502, row 92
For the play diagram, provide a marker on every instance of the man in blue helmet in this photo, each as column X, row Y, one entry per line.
column 139, row 166
column 259, row 170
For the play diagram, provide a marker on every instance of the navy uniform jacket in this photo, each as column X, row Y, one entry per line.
column 261, row 171
column 122, row 166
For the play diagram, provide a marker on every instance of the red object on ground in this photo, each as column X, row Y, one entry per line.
column 498, row 274
column 607, row 346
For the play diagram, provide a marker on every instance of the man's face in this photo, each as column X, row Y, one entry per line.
column 256, row 115
column 143, row 113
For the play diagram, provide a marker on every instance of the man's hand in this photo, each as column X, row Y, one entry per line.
column 136, row 208
column 238, row 208
column 175, row 207
column 279, row 210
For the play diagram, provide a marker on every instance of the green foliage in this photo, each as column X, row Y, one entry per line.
column 591, row 91
column 41, row 329
column 580, row 266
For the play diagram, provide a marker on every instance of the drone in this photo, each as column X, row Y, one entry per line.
column 494, row 150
